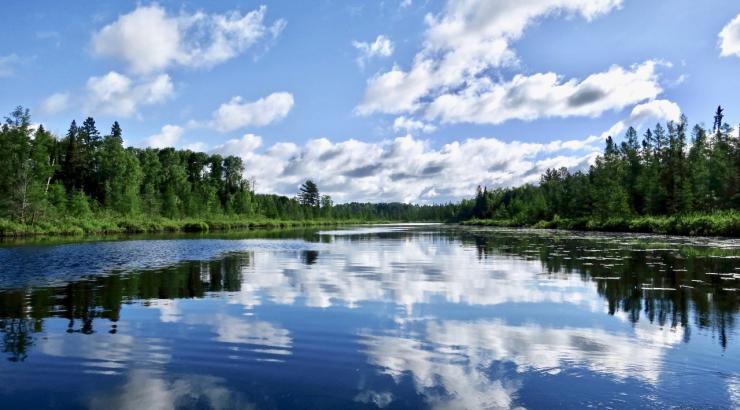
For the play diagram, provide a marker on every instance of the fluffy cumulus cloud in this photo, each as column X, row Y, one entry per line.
column 656, row 110
column 238, row 113
column 117, row 94
column 168, row 136
column 243, row 147
column 381, row 47
column 411, row 125
column 404, row 169
column 546, row 95
column 149, row 39
column 450, row 78
column 729, row 38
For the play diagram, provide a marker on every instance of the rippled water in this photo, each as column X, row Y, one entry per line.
column 381, row 317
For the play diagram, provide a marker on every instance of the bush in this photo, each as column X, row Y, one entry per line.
column 197, row 226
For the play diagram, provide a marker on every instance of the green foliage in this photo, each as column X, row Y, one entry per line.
column 660, row 185
column 86, row 182
column 722, row 224
column 309, row 194
column 79, row 205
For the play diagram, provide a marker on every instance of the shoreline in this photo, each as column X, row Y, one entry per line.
column 80, row 227
column 725, row 224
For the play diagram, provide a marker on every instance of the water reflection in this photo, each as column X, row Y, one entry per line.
column 144, row 389
column 404, row 317
column 667, row 281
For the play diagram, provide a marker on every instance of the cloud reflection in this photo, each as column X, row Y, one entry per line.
column 150, row 390
column 405, row 272
column 453, row 363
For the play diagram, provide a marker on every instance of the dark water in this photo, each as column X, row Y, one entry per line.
column 402, row 317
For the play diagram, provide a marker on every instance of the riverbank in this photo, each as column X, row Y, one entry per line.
column 718, row 224
column 118, row 225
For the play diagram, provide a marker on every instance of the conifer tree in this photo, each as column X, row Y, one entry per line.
column 309, row 194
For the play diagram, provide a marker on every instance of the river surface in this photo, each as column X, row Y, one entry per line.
column 415, row 316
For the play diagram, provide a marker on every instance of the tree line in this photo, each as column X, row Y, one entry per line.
column 87, row 173
column 671, row 170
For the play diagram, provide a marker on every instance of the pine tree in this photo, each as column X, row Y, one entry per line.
column 71, row 164
column 610, row 198
column 90, row 142
column 698, row 159
column 631, row 153
column 120, row 175
column 116, row 133
column 309, row 194
column 652, row 186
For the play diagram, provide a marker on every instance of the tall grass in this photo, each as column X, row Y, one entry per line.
column 103, row 224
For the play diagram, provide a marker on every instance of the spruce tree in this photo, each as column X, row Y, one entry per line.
column 71, row 163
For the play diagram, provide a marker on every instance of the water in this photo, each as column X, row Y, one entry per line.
column 386, row 317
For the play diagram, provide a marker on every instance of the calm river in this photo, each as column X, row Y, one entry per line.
column 421, row 316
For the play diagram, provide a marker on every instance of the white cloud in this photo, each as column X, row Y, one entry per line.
column 55, row 103
column 729, row 38
column 546, row 95
column 397, row 91
column 196, row 147
column 657, row 110
column 119, row 95
column 405, row 169
column 237, row 114
column 243, row 147
column 381, row 47
column 7, row 64
column 168, row 136
column 149, row 39
column 449, row 78
column 410, row 125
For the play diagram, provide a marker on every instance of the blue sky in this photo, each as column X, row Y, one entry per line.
column 414, row 101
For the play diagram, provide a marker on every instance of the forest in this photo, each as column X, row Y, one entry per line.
column 674, row 179
column 88, row 182
column 671, row 180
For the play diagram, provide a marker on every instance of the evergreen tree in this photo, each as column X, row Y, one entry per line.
column 90, row 141
column 71, row 167
column 609, row 198
column 698, row 159
column 309, row 194
column 120, row 174
column 652, row 187
column 116, row 132
column 633, row 172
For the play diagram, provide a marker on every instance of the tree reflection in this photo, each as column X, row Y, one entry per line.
column 17, row 337
column 82, row 302
column 310, row 257
column 664, row 283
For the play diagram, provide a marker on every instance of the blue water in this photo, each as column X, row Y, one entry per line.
column 418, row 316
